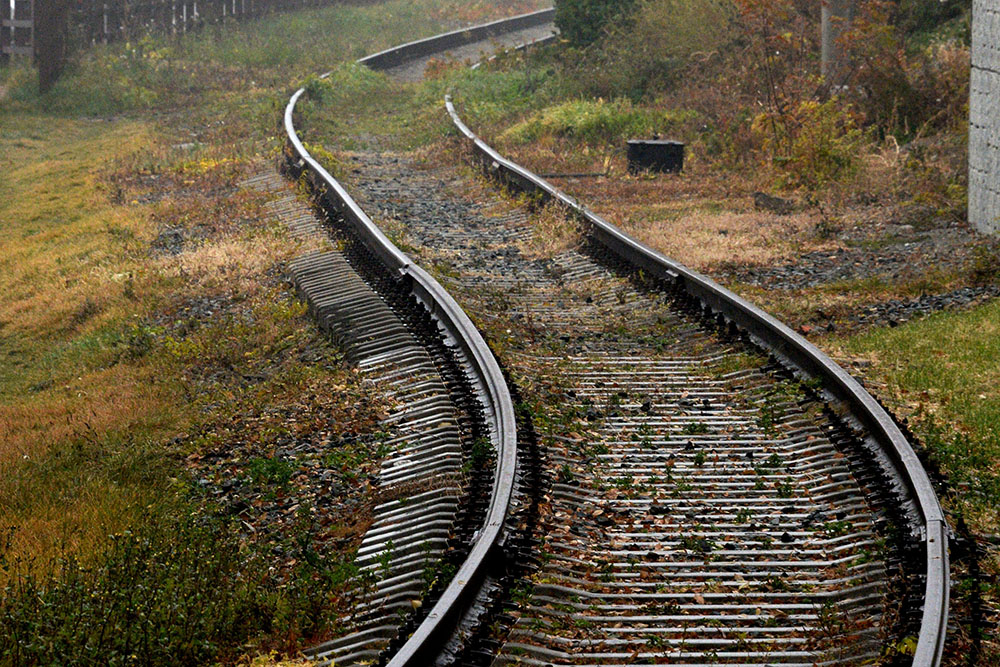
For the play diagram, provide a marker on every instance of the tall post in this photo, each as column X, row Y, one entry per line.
column 984, row 118
column 835, row 17
column 6, row 27
column 51, row 25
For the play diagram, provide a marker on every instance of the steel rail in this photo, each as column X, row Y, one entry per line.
column 487, row 550
column 930, row 524
column 420, row 48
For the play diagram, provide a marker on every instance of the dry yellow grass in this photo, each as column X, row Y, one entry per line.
column 696, row 218
column 706, row 238
column 551, row 233
column 60, row 239
column 102, row 401
column 64, row 254
column 234, row 263
column 78, row 406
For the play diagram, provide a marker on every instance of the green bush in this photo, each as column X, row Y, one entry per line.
column 595, row 121
column 582, row 21
column 812, row 143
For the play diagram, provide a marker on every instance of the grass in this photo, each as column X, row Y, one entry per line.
column 146, row 331
column 589, row 121
column 942, row 371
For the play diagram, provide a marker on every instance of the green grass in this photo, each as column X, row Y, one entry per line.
column 592, row 122
column 946, row 369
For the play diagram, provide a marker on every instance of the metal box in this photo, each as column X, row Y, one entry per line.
column 655, row 155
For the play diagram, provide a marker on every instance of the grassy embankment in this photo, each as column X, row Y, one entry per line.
column 863, row 173
column 151, row 351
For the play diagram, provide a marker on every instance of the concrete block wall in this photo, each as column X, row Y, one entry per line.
column 984, row 118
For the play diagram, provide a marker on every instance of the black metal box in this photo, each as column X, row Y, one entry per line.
column 655, row 154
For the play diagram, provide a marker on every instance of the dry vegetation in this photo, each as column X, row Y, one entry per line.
column 156, row 367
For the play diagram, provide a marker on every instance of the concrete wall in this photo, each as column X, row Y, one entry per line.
column 984, row 118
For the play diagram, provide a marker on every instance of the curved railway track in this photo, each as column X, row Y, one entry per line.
column 714, row 489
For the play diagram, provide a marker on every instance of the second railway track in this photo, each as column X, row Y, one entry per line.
column 706, row 501
column 702, row 506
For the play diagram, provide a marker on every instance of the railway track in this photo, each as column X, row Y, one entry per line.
column 709, row 488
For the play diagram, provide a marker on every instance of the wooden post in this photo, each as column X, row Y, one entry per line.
column 51, row 24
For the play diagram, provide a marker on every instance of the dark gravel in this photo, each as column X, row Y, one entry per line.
column 900, row 254
column 892, row 254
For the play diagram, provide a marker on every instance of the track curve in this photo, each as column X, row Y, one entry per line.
column 927, row 520
column 821, row 452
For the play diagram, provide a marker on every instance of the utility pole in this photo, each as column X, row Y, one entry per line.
column 836, row 16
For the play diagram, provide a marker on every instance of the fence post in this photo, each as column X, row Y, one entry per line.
column 5, row 30
column 50, row 26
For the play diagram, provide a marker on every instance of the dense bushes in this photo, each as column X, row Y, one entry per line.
column 661, row 40
column 743, row 77
column 901, row 90
column 582, row 21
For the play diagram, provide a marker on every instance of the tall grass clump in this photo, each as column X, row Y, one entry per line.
column 173, row 590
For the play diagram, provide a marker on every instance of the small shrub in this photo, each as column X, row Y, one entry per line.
column 814, row 143
column 271, row 471
column 583, row 21
column 984, row 269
